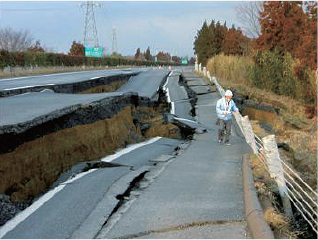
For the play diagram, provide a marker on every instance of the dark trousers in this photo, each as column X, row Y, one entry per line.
column 225, row 130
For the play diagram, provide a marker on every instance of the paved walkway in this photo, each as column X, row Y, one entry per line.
column 198, row 195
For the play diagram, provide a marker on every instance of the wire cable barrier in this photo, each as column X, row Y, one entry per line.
column 303, row 197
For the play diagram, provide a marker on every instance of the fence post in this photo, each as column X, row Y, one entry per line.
column 276, row 170
column 209, row 75
column 204, row 71
column 248, row 133
column 238, row 119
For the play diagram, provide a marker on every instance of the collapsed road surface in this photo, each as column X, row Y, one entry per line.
column 62, row 212
column 101, row 188
column 69, row 81
column 198, row 195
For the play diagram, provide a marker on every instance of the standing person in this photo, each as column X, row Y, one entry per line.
column 224, row 108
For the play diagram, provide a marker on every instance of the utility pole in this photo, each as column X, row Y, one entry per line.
column 90, row 30
column 114, row 43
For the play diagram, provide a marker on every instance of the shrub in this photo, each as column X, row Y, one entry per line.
column 4, row 59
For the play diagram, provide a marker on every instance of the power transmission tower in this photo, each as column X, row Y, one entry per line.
column 90, row 30
column 114, row 43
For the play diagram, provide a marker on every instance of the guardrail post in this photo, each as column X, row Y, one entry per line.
column 209, row 75
column 238, row 119
column 248, row 133
column 276, row 170
column 204, row 71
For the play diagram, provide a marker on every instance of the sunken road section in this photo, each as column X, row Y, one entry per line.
column 76, row 87
column 35, row 153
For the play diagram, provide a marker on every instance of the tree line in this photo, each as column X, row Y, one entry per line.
column 18, row 49
column 216, row 38
column 284, row 51
column 161, row 56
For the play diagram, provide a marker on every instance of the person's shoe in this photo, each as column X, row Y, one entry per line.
column 227, row 143
column 220, row 141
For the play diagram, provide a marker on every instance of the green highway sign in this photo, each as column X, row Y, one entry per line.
column 184, row 61
column 93, row 51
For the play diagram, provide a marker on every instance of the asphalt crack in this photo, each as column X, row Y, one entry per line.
column 123, row 198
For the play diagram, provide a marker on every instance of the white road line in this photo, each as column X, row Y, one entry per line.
column 129, row 149
column 47, row 75
column 172, row 111
column 37, row 204
column 7, row 89
column 97, row 77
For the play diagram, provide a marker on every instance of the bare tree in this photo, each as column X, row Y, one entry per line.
column 248, row 13
column 15, row 41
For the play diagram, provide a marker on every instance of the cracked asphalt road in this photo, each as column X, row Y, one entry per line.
column 197, row 194
column 65, row 212
column 202, row 184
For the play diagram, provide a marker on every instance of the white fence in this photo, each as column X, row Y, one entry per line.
column 291, row 186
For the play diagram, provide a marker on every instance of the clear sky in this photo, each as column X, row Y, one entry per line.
column 161, row 25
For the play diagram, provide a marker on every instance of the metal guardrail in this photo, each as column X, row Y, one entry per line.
column 291, row 186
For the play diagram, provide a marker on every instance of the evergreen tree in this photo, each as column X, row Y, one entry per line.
column 282, row 24
column 306, row 51
column 147, row 54
column 137, row 55
column 203, row 43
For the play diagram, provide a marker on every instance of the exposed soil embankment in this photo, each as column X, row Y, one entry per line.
column 67, row 117
column 36, row 153
column 76, row 87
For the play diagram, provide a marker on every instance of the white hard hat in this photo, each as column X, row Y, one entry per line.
column 228, row 93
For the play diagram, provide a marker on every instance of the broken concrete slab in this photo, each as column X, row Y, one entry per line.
column 58, row 86
column 189, row 124
column 201, row 89
column 162, row 158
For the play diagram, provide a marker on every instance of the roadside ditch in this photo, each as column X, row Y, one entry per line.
column 36, row 153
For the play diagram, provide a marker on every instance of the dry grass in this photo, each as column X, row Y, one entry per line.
column 230, row 68
column 293, row 125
